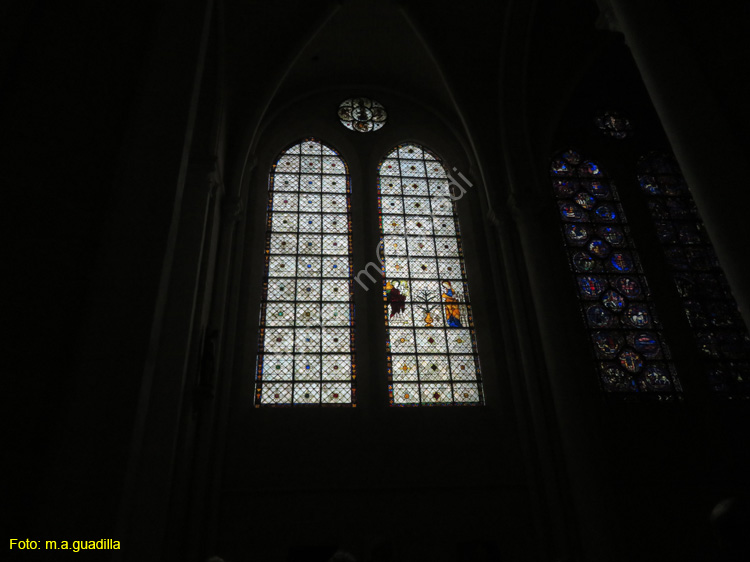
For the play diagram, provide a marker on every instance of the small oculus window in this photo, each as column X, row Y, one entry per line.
column 613, row 124
column 362, row 114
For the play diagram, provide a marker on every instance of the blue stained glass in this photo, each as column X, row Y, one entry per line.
column 564, row 188
column 656, row 378
column 638, row 315
column 589, row 168
column 591, row 286
column 608, row 343
column 605, row 212
column 649, row 184
column 559, row 167
column 576, row 232
column 616, row 324
column 583, row 262
column 571, row 211
column 631, row 361
column 599, row 317
column 599, row 248
column 647, row 344
column 621, row 261
column 598, row 189
column 628, row 286
column 613, row 300
column 586, row 201
column 612, row 234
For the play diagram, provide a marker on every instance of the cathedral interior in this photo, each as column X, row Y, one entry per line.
column 140, row 139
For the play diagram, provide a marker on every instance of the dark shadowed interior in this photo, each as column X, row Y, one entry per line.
column 140, row 136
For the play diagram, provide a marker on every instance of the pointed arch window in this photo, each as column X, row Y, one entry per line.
column 708, row 303
column 633, row 358
column 431, row 344
column 306, row 336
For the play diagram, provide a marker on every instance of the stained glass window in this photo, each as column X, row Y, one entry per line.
column 306, row 342
column 613, row 124
column 362, row 114
column 632, row 356
column 720, row 333
column 431, row 344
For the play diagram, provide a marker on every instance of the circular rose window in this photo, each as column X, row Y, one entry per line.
column 614, row 124
column 362, row 114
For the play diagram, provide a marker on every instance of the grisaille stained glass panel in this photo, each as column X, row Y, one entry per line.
column 306, row 342
column 632, row 357
column 432, row 351
column 718, row 329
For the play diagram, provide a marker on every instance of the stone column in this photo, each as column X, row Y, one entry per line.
column 689, row 65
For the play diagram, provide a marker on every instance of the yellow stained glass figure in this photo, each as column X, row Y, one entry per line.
column 452, row 312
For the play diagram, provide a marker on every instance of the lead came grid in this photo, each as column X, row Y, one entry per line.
column 306, row 342
column 632, row 355
column 432, row 354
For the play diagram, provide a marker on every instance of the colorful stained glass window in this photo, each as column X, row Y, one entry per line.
column 613, row 124
column 362, row 114
column 306, row 342
column 431, row 344
column 632, row 357
column 720, row 333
